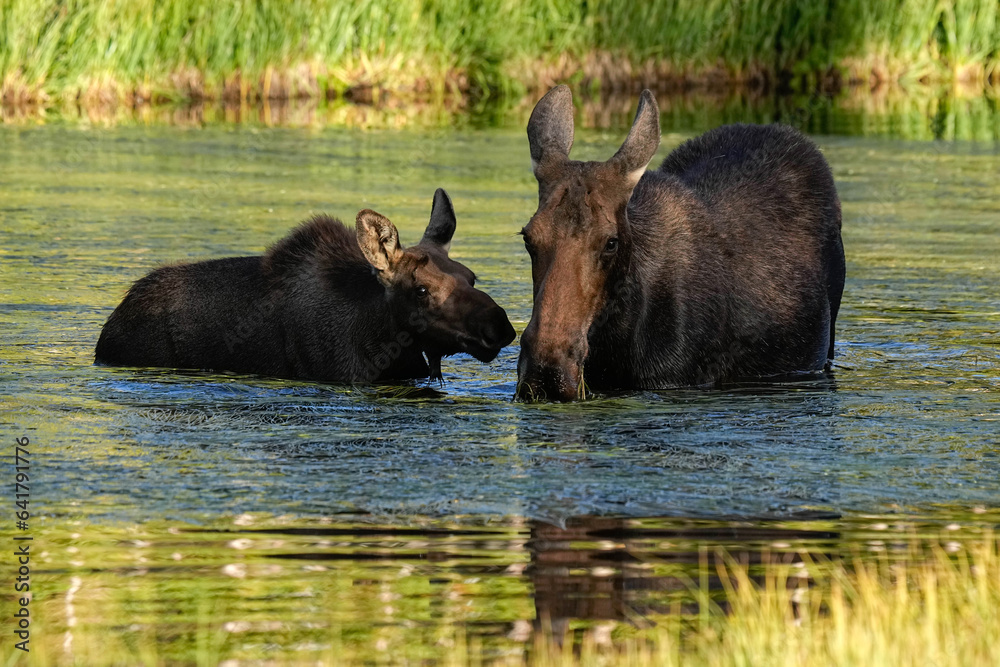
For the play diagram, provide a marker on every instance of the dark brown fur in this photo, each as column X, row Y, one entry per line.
column 725, row 263
column 314, row 307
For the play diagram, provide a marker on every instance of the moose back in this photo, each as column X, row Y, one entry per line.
column 324, row 303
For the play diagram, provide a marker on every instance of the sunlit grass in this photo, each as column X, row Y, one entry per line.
column 926, row 606
column 943, row 611
column 180, row 49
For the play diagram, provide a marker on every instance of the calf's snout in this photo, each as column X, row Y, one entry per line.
column 495, row 329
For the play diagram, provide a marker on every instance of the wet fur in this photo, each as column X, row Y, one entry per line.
column 733, row 265
column 311, row 308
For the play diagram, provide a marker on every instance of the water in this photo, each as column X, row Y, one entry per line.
column 279, row 514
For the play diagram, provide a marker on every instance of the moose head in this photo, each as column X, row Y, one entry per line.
column 579, row 241
column 430, row 294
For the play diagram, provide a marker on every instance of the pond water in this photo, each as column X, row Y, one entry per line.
column 252, row 516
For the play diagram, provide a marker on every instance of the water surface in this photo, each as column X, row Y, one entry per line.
column 131, row 463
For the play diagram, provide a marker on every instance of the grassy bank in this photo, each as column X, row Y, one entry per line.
column 938, row 607
column 128, row 50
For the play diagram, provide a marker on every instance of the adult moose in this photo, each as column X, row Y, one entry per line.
column 724, row 263
column 323, row 304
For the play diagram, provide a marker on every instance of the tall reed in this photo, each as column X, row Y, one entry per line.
column 117, row 49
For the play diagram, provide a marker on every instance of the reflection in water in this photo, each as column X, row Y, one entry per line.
column 266, row 585
column 628, row 570
column 577, row 574
column 888, row 111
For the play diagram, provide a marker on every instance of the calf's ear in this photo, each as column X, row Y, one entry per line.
column 378, row 240
column 442, row 225
column 642, row 141
column 550, row 130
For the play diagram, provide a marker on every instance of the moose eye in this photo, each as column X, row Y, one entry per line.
column 611, row 245
column 421, row 291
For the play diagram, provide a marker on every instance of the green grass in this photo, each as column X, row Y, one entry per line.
column 183, row 49
column 938, row 607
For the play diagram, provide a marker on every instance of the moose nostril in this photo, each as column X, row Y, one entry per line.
column 489, row 332
column 497, row 330
column 507, row 333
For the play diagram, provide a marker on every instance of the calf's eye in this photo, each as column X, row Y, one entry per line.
column 611, row 245
column 421, row 291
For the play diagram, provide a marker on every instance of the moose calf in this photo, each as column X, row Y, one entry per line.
column 724, row 263
column 321, row 304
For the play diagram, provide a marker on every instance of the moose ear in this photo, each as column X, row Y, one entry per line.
column 442, row 225
column 550, row 129
column 642, row 141
column 378, row 240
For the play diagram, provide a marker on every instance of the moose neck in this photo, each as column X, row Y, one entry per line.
column 666, row 310
column 393, row 349
column 336, row 319
column 642, row 292
column 612, row 336
column 366, row 331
